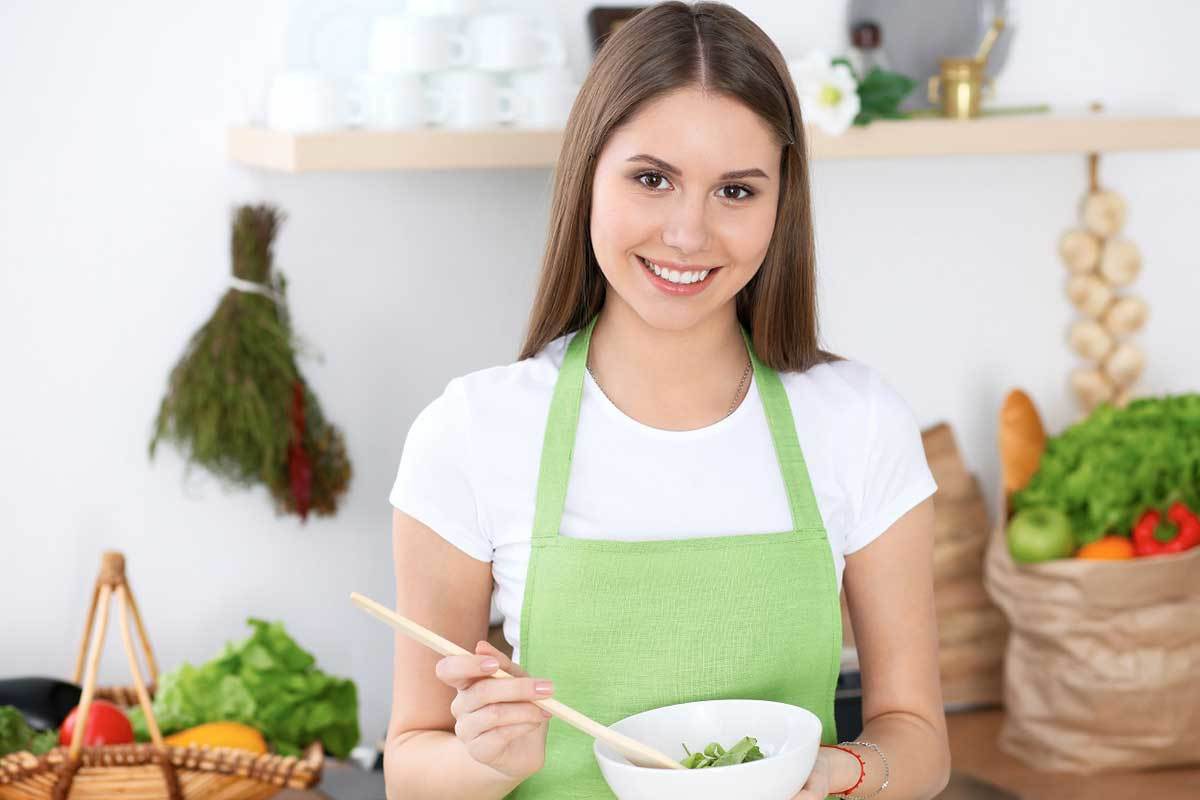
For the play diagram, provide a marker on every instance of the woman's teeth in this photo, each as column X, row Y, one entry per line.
column 674, row 275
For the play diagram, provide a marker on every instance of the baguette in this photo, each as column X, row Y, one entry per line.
column 1022, row 440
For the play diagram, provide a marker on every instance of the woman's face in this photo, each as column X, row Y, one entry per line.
column 664, row 192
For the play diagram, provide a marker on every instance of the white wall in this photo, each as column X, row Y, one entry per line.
column 115, row 197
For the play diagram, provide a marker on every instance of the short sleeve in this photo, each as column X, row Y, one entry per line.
column 897, row 475
column 434, row 483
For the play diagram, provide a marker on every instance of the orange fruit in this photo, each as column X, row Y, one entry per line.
column 1110, row 548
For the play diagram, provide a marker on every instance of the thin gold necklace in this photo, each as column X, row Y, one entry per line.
column 732, row 406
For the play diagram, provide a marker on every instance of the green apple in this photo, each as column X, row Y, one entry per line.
column 1040, row 534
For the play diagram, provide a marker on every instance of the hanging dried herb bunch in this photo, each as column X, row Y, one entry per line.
column 236, row 402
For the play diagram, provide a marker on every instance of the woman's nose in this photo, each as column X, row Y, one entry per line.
column 686, row 226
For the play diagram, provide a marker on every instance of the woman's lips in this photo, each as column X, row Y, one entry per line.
column 677, row 289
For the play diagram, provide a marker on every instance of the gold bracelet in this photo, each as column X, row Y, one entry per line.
column 886, row 771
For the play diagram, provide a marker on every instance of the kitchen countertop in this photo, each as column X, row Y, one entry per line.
column 981, row 772
column 974, row 753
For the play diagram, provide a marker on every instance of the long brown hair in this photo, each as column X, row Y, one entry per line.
column 665, row 48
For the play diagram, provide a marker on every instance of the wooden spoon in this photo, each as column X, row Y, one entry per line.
column 640, row 754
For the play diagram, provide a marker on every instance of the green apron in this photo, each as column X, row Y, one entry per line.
column 625, row 626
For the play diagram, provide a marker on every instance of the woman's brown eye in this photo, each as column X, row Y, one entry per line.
column 651, row 176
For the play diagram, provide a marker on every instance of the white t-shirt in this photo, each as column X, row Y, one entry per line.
column 470, row 463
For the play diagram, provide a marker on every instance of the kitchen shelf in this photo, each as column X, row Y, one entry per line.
column 431, row 148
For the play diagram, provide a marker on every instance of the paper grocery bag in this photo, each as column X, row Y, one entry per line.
column 1102, row 669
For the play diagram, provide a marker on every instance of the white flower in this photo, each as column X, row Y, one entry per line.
column 828, row 92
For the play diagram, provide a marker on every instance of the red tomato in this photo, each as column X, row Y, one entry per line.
column 106, row 724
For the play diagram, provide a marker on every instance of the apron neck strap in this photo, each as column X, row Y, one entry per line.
column 559, row 440
column 778, row 410
column 563, row 420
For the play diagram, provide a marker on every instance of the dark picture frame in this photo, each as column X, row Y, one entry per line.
column 602, row 21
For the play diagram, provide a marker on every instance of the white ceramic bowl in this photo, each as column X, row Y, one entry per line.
column 787, row 735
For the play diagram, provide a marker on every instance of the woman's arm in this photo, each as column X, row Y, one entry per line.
column 449, row 592
column 889, row 592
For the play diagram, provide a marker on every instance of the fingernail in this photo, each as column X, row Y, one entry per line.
column 546, row 713
column 543, row 687
column 489, row 665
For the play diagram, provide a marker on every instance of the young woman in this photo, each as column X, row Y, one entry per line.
column 671, row 485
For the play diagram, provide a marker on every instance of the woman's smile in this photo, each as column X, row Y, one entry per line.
column 676, row 281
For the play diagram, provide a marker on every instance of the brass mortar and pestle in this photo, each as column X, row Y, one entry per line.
column 960, row 87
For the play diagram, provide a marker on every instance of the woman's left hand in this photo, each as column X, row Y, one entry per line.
column 817, row 786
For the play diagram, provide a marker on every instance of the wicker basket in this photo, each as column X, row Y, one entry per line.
column 143, row 771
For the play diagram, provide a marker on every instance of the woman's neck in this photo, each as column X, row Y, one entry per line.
column 673, row 380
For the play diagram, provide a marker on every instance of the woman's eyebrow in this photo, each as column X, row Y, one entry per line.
column 675, row 171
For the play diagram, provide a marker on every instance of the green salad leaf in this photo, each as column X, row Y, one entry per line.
column 1105, row 470
column 16, row 734
column 43, row 742
column 714, row 755
column 268, row 682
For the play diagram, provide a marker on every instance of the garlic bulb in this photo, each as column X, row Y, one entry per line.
column 1089, row 294
column 1099, row 263
column 1120, row 262
column 1123, row 396
column 1080, row 250
column 1125, row 364
column 1103, row 212
column 1090, row 339
column 1125, row 316
column 1092, row 387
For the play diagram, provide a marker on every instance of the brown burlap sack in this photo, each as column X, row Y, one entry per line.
column 1103, row 663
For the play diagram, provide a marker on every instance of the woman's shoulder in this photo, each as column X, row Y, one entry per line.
column 834, row 381
column 503, row 388
column 871, row 435
column 843, row 388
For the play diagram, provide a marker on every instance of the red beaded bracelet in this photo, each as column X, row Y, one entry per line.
column 862, row 768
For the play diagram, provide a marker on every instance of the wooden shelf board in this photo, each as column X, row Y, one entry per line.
column 353, row 150
column 372, row 150
column 1010, row 135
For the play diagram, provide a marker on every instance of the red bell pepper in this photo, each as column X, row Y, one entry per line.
column 1187, row 531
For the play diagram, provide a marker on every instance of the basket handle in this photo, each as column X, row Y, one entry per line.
column 124, row 600
column 109, row 584
column 112, row 572
column 103, row 597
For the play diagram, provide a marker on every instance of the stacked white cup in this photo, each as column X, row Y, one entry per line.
column 304, row 101
column 477, row 68
column 441, row 63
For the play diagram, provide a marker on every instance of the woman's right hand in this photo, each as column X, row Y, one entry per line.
column 495, row 718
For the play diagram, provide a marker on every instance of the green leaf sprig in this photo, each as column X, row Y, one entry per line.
column 714, row 755
column 880, row 93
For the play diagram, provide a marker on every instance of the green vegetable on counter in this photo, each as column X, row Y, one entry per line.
column 16, row 734
column 716, row 756
column 1105, row 470
column 267, row 682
